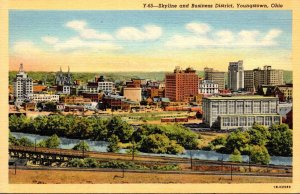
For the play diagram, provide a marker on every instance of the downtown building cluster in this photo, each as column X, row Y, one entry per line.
column 227, row 100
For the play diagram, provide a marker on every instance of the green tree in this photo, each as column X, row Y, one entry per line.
column 236, row 156
column 259, row 135
column 82, row 145
column 259, row 155
column 119, row 128
column 113, row 144
column 219, row 141
column 53, row 141
column 280, row 141
column 13, row 140
column 237, row 140
column 24, row 141
column 160, row 143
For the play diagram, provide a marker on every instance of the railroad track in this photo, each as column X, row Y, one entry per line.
column 108, row 156
column 154, row 171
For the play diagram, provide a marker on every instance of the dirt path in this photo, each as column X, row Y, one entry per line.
column 84, row 177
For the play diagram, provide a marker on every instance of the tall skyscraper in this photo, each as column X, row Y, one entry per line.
column 218, row 77
column 23, row 86
column 266, row 76
column 181, row 84
column 249, row 80
column 236, row 75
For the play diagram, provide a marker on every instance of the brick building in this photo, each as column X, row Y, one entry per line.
column 181, row 84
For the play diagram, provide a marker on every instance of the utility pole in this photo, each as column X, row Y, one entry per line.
column 34, row 145
column 231, row 171
column 191, row 158
column 15, row 167
column 83, row 148
column 133, row 150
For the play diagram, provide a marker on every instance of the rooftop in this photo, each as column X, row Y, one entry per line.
column 252, row 97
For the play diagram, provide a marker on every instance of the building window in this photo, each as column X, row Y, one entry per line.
column 250, row 121
column 256, row 107
column 268, row 121
column 242, row 121
column 265, row 107
column 248, row 107
column 260, row 120
column 239, row 107
column 233, row 121
column 223, row 107
column 231, row 107
column 273, row 106
column 277, row 119
column 225, row 121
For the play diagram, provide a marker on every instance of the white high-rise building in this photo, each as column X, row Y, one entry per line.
column 236, row 75
column 23, row 86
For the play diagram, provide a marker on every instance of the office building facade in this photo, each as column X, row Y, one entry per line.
column 181, row 84
column 208, row 87
column 218, row 77
column 255, row 78
column 23, row 86
column 236, row 75
column 240, row 111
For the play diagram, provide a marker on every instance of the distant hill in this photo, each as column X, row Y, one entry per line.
column 49, row 77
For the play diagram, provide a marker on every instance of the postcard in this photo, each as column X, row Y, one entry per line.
column 149, row 96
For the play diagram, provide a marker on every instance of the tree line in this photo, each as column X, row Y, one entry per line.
column 171, row 139
column 259, row 142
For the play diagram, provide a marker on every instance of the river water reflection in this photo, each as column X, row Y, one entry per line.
column 101, row 146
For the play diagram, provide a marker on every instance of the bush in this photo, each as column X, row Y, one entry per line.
column 161, row 144
column 51, row 142
column 76, row 162
column 113, row 144
column 82, row 145
column 236, row 156
column 259, row 155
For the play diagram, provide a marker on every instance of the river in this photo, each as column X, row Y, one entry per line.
column 101, row 146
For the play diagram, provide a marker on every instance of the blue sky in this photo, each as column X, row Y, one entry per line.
column 147, row 33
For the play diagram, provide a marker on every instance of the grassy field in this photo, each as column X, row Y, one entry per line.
column 207, row 137
column 90, row 177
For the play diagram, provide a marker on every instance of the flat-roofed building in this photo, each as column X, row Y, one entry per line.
column 218, row 77
column 240, row 111
column 181, row 85
column 236, row 75
column 208, row 87
column 45, row 98
column 249, row 80
column 133, row 94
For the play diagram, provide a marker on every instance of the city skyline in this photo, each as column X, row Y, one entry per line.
column 143, row 41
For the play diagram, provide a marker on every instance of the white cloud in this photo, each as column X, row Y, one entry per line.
column 222, row 38
column 198, row 28
column 149, row 32
column 87, row 33
column 76, row 43
column 26, row 48
column 270, row 36
column 76, row 24
column 225, row 36
column 50, row 40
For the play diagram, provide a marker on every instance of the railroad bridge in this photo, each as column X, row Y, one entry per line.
column 45, row 155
